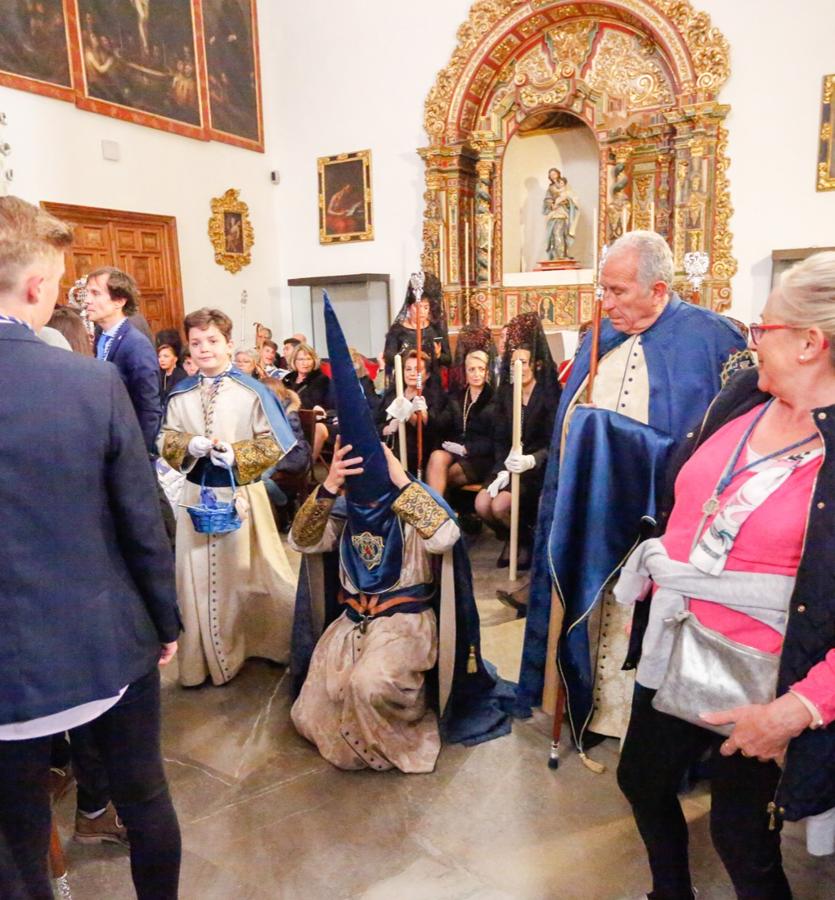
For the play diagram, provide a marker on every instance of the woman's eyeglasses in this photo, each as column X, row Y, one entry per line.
column 758, row 330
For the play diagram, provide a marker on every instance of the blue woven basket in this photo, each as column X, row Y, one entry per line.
column 219, row 519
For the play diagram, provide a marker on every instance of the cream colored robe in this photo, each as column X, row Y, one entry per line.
column 363, row 702
column 236, row 591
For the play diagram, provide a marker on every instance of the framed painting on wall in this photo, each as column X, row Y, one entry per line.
column 230, row 30
column 140, row 61
column 826, row 153
column 34, row 48
column 785, row 259
column 345, row 198
column 231, row 231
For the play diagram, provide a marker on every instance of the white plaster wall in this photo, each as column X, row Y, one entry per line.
column 780, row 51
column 341, row 75
column 355, row 74
column 57, row 157
column 525, row 182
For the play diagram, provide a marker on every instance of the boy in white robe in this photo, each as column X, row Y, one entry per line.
column 235, row 590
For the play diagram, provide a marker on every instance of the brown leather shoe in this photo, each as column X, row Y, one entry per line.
column 107, row 827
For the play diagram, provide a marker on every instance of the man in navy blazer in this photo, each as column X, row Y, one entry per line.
column 87, row 595
column 112, row 296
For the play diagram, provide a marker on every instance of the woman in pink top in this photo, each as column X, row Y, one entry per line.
column 752, row 533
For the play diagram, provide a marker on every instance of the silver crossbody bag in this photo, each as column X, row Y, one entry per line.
column 708, row 673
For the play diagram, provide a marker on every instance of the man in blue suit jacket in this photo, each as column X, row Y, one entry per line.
column 112, row 296
column 87, row 595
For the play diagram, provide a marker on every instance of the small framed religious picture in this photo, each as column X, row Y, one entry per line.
column 345, row 198
column 231, row 232
column 826, row 153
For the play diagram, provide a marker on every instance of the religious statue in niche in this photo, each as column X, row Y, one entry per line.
column 561, row 211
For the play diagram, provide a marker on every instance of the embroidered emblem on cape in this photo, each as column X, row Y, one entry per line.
column 369, row 547
column 742, row 359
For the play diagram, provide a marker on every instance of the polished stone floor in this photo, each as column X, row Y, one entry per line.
column 263, row 816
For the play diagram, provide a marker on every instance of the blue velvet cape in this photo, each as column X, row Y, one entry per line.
column 594, row 500
column 479, row 702
column 281, row 429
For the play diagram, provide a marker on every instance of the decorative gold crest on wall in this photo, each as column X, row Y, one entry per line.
column 231, row 232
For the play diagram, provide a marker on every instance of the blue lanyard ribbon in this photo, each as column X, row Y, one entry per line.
column 731, row 471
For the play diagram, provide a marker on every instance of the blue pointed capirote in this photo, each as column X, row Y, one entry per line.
column 356, row 425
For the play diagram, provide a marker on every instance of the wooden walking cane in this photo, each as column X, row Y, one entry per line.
column 516, row 447
column 417, row 282
column 419, row 337
column 597, row 315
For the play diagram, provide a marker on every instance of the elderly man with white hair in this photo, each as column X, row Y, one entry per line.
column 661, row 361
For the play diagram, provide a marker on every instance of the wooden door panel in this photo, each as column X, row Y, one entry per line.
column 150, row 241
column 147, row 271
column 92, row 237
column 144, row 246
column 125, row 239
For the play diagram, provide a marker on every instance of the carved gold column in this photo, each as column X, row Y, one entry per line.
column 448, row 198
column 618, row 219
column 484, row 221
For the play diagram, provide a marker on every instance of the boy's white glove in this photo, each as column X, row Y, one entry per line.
column 223, row 455
column 199, row 446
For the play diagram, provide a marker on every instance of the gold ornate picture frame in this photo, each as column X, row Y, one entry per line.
column 345, row 198
column 231, row 231
column 826, row 153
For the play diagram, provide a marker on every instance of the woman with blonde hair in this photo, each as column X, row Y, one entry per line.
column 313, row 387
column 746, row 565
column 466, row 452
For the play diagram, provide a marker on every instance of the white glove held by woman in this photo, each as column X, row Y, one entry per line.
column 501, row 481
column 519, row 462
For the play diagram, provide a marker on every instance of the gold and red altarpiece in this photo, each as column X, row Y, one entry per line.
column 644, row 75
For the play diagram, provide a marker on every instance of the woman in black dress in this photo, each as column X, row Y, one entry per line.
column 430, row 407
column 540, row 397
column 466, row 452
column 170, row 371
column 429, row 308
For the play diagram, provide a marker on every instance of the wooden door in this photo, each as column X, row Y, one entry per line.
column 144, row 246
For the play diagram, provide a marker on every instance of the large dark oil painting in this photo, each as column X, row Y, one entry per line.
column 230, row 31
column 140, row 54
column 33, row 41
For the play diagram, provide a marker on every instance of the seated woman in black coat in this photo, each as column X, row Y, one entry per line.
column 431, row 407
column 466, row 452
column 313, row 387
column 540, row 396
